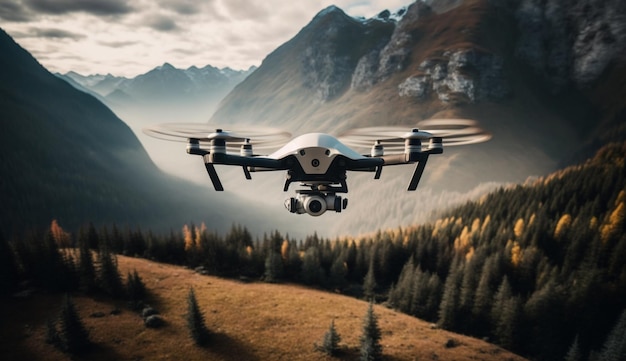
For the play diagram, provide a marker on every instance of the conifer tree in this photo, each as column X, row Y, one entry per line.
column 574, row 353
column 312, row 272
column 273, row 266
column 371, row 349
column 86, row 269
column 338, row 273
column 330, row 342
column 482, row 299
column 448, row 308
column 369, row 282
column 614, row 348
column 51, row 268
column 135, row 289
column 195, row 320
column 73, row 337
column 109, row 277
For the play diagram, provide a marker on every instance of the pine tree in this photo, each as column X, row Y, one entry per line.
column 369, row 282
column 73, row 337
column 574, row 353
column 330, row 342
column 371, row 349
column 506, row 314
column 86, row 269
column 448, row 308
column 338, row 273
column 483, row 298
column 135, row 289
column 614, row 347
column 109, row 277
column 312, row 272
column 273, row 266
column 195, row 320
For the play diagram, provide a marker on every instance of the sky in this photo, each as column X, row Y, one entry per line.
column 131, row 37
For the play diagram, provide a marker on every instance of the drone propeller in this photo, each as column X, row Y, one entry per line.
column 234, row 137
column 453, row 131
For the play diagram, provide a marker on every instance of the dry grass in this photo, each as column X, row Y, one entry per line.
column 254, row 321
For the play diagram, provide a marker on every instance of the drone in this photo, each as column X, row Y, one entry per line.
column 319, row 162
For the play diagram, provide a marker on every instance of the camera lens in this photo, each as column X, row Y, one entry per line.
column 315, row 206
column 315, row 162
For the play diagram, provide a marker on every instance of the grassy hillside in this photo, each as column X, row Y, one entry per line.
column 255, row 321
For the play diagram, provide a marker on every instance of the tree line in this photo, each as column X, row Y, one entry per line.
column 537, row 268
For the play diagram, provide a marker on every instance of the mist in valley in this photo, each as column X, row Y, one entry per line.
column 372, row 204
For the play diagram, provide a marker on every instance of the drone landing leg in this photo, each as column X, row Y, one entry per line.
column 246, row 172
column 215, row 179
column 419, row 169
column 379, row 169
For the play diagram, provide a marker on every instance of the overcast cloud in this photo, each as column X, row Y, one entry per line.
column 125, row 37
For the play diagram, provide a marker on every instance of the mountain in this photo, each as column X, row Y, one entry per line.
column 66, row 156
column 542, row 77
column 196, row 88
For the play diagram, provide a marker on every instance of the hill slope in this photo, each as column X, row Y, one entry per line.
column 250, row 322
column 65, row 155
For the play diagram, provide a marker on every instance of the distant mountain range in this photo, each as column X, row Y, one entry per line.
column 66, row 156
column 162, row 87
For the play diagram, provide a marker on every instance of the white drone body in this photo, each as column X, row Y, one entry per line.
column 318, row 161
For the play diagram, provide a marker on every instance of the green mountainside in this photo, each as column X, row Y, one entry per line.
column 534, row 266
column 65, row 156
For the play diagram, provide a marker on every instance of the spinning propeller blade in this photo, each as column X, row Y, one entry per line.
column 453, row 131
column 233, row 135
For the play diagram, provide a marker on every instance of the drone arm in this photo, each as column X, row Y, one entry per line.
column 252, row 162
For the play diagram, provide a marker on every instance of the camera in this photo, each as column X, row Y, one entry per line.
column 315, row 203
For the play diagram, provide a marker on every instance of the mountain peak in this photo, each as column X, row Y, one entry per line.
column 166, row 66
column 328, row 10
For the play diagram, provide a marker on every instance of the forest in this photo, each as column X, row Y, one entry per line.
column 537, row 268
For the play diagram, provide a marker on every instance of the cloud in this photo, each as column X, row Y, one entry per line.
column 183, row 7
column 147, row 33
column 161, row 23
column 117, row 44
column 95, row 7
column 56, row 33
column 244, row 9
column 14, row 11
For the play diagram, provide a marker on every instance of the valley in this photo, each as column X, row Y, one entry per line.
column 515, row 246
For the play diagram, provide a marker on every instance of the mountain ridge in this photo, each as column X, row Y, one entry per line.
column 447, row 59
column 66, row 156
